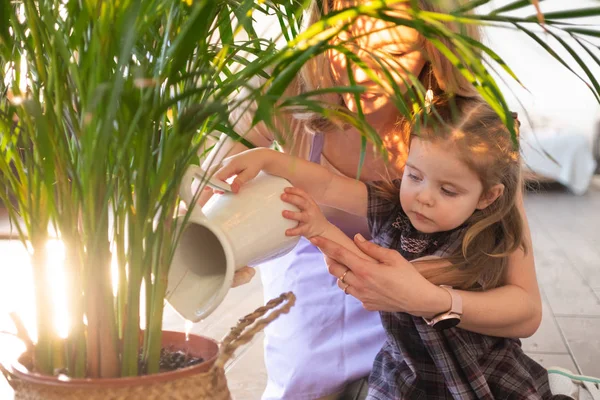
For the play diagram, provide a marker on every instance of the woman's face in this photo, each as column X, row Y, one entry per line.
column 399, row 47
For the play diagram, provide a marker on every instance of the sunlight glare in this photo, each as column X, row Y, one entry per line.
column 23, row 73
column 188, row 329
column 16, row 291
column 143, row 305
column 114, row 273
column 55, row 272
column 21, row 13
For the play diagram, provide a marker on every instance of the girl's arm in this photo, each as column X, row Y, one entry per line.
column 325, row 187
column 312, row 222
column 394, row 284
column 227, row 147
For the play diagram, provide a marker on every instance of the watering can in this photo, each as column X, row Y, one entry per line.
column 231, row 231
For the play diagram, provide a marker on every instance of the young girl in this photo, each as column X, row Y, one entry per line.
column 455, row 209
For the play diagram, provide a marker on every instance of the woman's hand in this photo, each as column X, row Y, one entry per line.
column 243, row 276
column 245, row 165
column 311, row 221
column 391, row 284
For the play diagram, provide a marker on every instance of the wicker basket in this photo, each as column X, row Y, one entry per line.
column 205, row 381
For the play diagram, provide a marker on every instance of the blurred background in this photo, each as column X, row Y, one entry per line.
column 559, row 114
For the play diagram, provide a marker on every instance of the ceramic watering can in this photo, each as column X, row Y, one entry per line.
column 230, row 232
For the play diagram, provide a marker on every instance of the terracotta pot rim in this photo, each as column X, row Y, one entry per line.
column 21, row 372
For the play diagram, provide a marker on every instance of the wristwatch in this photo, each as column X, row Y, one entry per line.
column 450, row 318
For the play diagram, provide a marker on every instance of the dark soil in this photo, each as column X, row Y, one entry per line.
column 171, row 360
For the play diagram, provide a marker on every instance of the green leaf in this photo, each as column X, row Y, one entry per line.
column 225, row 28
column 283, row 77
column 568, row 14
column 468, row 6
column 516, row 5
column 243, row 13
column 550, row 51
column 590, row 52
column 493, row 55
column 583, row 31
column 193, row 32
column 234, row 135
column 596, row 87
column 5, row 12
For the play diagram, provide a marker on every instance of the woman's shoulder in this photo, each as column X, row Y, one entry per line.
column 298, row 142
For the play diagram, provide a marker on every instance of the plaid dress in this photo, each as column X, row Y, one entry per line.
column 419, row 362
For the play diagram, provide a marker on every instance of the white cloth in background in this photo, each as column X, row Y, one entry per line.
column 570, row 163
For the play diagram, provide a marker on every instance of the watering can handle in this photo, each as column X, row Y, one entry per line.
column 196, row 172
column 251, row 324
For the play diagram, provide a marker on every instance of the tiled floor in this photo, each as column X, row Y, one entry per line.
column 566, row 238
column 246, row 372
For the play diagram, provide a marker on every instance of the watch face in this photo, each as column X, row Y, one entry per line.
column 449, row 322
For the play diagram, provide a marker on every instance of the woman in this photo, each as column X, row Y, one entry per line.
column 330, row 340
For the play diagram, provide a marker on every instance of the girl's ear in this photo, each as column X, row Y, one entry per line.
column 490, row 196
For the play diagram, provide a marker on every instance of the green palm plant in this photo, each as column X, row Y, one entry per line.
column 103, row 106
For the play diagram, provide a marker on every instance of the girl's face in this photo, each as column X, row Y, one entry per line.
column 439, row 192
column 398, row 47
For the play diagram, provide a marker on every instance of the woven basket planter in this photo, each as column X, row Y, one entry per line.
column 205, row 381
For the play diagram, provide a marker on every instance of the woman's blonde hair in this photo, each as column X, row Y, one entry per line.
column 316, row 73
column 472, row 129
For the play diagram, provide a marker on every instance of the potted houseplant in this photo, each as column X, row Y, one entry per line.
column 103, row 106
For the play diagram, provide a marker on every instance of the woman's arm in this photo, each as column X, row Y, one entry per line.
column 513, row 310
column 336, row 235
column 394, row 284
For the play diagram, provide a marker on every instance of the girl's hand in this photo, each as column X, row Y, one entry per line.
column 390, row 284
column 311, row 221
column 245, row 165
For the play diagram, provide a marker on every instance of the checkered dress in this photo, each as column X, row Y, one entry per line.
column 419, row 362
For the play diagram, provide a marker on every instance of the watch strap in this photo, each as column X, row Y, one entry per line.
column 456, row 306
column 448, row 318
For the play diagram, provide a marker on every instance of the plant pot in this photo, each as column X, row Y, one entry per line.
column 204, row 381
column 201, row 381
